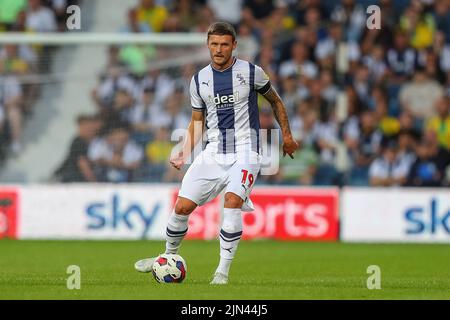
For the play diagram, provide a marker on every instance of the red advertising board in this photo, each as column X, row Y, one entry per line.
column 280, row 213
column 8, row 213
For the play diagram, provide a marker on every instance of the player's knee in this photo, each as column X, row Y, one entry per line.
column 184, row 206
column 232, row 200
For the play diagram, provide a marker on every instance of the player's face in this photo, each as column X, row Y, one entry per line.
column 221, row 48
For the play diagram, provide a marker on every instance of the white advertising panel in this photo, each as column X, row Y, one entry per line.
column 395, row 215
column 93, row 211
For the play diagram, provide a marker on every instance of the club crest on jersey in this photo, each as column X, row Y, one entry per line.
column 224, row 101
column 240, row 78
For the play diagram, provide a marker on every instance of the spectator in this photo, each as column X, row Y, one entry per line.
column 376, row 64
column 20, row 25
column 163, row 83
column 266, row 60
column 157, row 154
column 447, row 87
column 310, row 38
column 248, row 45
column 59, row 8
column 363, row 145
column 114, row 81
column 442, row 49
column 11, row 97
column 406, row 143
column 206, row 18
column 186, row 10
column 136, row 58
column 173, row 24
column 151, row 14
column 18, row 59
column 388, row 125
column 299, row 64
column 433, row 67
column 424, row 171
column 350, row 126
column 40, row 18
column 302, row 169
column 226, row 10
column 420, row 95
column 326, row 48
column 290, row 94
column 441, row 14
column 267, row 122
column 143, row 118
column 113, row 58
column 134, row 25
column 182, row 84
column 419, row 25
column 324, row 108
column 77, row 167
column 299, row 9
column 172, row 117
column 372, row 39
column 10, row 9
column 362, row 82
column 255, row 11
column 330, row 91
column 314, row 23
column 121, row 111
column 439, row 155
column 440, row 123
column 352, row 17
column 388, row 169
column 401, row 59
column 115, row 156
column 325, row 140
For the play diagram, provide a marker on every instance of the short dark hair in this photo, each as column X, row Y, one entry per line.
column 221, row 29
column 87, row 117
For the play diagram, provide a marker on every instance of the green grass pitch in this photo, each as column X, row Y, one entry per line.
column 261, row 270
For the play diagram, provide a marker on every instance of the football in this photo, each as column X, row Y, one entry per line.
column 169, row 268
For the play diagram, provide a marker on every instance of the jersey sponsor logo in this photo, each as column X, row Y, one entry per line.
column 224, row 101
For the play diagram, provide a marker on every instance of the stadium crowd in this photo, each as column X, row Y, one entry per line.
column 18, row 63
column 368, row 106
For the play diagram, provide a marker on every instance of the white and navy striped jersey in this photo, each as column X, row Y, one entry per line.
column 229, row 98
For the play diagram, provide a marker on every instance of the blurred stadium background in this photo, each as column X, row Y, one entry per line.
column 86, row 117
column 369, row 106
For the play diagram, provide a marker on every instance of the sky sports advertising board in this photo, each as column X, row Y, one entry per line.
column 141, row 212
column 395, row 215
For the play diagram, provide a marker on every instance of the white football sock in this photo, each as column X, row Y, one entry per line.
column 177, row 227
column 230, row 234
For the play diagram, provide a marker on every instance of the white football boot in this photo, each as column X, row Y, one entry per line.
column 144, row 265
column 219, row 278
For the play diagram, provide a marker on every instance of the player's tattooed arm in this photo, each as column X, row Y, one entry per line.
column 289, row 144
column 279, row 110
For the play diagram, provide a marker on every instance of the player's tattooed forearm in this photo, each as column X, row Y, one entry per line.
column 279, row 110
column 272, row 96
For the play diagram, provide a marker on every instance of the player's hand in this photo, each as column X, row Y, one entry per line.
column 289, row 146
column 177, row 161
